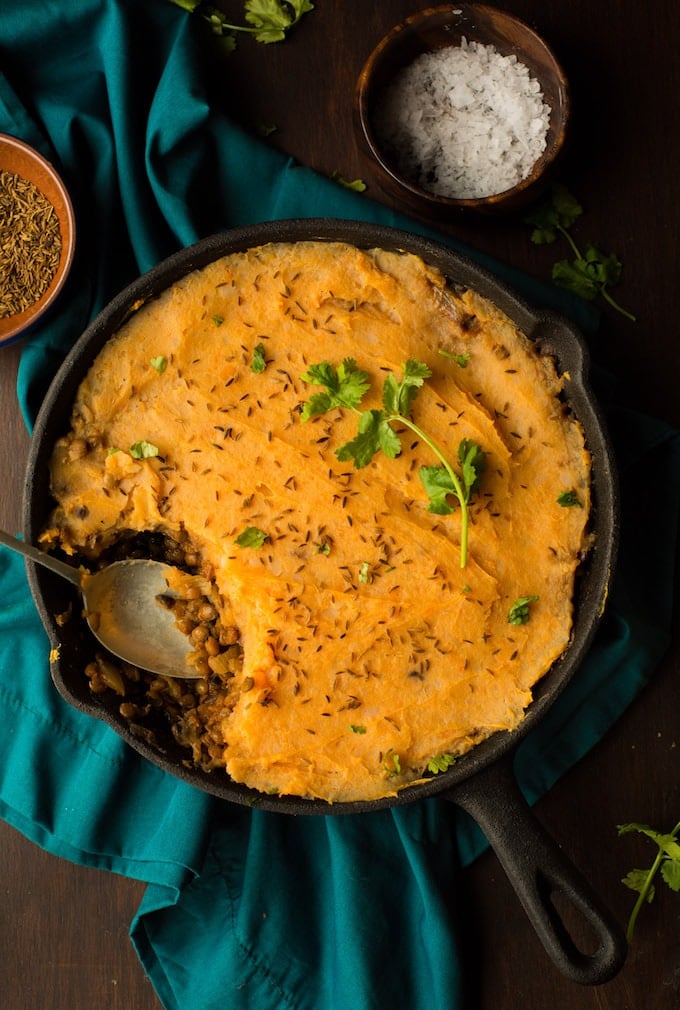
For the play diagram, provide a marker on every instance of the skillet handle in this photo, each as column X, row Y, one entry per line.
column 538, row 869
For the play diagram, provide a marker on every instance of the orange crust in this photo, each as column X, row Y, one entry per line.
column 365, row 659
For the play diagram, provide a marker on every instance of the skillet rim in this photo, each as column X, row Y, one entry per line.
column 553, row 334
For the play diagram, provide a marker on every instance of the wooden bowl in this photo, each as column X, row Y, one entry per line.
column 432, row 30
column 19, row 159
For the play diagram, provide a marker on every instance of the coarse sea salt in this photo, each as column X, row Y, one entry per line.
column 464, row 121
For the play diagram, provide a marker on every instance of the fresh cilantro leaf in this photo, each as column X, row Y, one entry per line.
column 296, row 7
column 326, row 374
column 575, row 276
column 556, row 212
column 317, row 404
column 398, row 397
column 438, row 482
column 643, row 829
column 273, row 18
column 392, row 764
column 228, row 38
column 358, row 729
column 259, row 362
column 218, row 320
column 187, row 5
column 438, row 485
column 251, row 537
column 300, row 7
column 160, row 363
column 666, row 842
column 666, row 863
column 587, row 275
column 544, row 234
column 566, row 205
column 358, row 185
column 268, row 20
column 375, row 434
column 143, row 450
column 519, row 611
column 569, row 499
column 602, row 268
column 345, row 387
column 440, row 763
column 670, row 871
column 473, row 463
column 638, row 881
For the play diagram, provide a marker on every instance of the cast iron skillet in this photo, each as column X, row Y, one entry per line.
column 482, row 781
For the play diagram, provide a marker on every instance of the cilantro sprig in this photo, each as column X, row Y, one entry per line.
column 588, row 274
column 268, row 20
column 345, row 387
column 666, row 865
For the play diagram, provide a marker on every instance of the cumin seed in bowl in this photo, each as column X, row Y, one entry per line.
column 37, row 236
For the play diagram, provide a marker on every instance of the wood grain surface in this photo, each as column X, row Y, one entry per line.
column 63, row 928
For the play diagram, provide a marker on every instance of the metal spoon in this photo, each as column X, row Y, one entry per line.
column 122, row 609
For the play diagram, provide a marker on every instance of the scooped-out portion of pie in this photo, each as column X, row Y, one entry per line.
column 378, row 480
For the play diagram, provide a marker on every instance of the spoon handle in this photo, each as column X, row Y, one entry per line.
column 60, row 567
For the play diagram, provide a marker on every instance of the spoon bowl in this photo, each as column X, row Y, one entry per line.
column 122, row 608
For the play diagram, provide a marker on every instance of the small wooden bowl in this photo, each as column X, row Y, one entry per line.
column 20, row 159
column 431, row 30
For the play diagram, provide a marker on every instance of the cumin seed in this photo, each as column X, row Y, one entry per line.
column 31, row 244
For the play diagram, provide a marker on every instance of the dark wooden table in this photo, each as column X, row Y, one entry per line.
column 63, row 929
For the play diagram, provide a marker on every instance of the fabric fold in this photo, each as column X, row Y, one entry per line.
column 243, row 908
column 274, row 947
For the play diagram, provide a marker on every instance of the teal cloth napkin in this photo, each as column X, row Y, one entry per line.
column 245, row 909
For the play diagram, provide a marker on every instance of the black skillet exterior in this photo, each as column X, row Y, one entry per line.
column 555, row 336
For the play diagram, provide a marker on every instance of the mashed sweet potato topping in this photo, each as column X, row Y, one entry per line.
column 367, row 652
